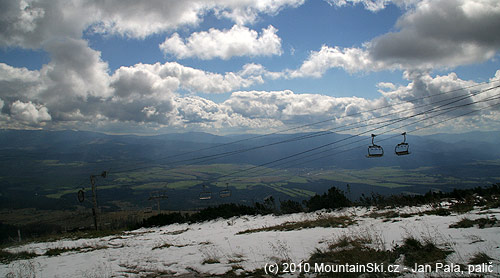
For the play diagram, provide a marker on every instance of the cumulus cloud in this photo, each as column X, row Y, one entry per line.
column 208, row 115
column 289, row 107
column 422, row 93
column 372, row 5
column 247, row 11
column 247, row 110
column 149, row 92
column 174, row 75
column 427, row 92
column 257, row 71
column 431, row 34
column 15, row 82
column 237, row 41
column 139, row 19
column 146, row 96
column 447, row 33
column 350, row 59
column 29, row 113
column 75, row 87
column 32, row 23
column 69, row 87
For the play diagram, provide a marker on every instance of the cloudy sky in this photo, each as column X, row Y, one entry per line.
column 227, row 66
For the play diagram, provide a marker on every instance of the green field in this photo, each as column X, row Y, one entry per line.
column 59, row 181
column 289, row 182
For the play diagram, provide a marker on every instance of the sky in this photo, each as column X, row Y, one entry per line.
column 220, row 66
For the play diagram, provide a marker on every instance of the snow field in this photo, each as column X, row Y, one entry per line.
column 215, row 247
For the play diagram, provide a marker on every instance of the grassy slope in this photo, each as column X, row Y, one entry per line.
column 287, row 182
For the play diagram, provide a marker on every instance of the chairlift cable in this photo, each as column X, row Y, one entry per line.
column 352, row 136
column 417, row 128
column 363, row 139
column 271, row 170
column 324, row 121
column 302, row 137
column 425, row 119
column 318, row 133
column 311, row 124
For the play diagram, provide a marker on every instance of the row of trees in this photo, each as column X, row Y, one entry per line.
column 334, row 198
column 470, row 195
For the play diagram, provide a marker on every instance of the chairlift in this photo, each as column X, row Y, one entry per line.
column 81, row 195
column 403, row 147
column 375, row 150
column 205, row 194
column 226, row 192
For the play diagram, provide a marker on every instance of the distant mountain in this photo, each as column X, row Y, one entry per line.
column 44, row 168
column 67, row 145
column 491, row 137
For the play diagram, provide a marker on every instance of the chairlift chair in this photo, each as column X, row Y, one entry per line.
column 226, row 192
column 81, row 195
column 403, row 147
column 205, row 194
column 375, row 150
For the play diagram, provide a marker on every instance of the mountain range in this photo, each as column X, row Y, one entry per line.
column 54, row 164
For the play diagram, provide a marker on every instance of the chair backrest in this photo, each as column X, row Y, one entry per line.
column 205, row 195
column 375, row 151
column 402, row 149
column 225, row 193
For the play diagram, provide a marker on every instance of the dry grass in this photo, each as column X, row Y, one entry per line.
column 480, row 258
column 485, row 222
column 421, row 252
column 7, row 257
column 365, row 249
column 322, row 221
column 349, row 249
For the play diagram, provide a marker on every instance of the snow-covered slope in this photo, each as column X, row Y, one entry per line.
column 218, row 247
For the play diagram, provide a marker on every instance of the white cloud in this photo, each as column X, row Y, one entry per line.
column 427, row 92
column 350, row 59
column 75, row 69
column 196, row 80
column 12, row 73
column 387, row 85
column 147, row 97
column 17, row 81
column 257, row 71
column 77, row 88
column 246, row 110
column 202, row 114
column 290, row 107
column 29, row 113
column 237, row 41
column 33, row 23
column 139, row 19
column 247, row 11
column 442, row 33
column 372, row 5
column 431, row 34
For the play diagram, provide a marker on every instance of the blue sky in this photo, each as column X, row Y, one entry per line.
column 313, row 24
column 238, row 66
